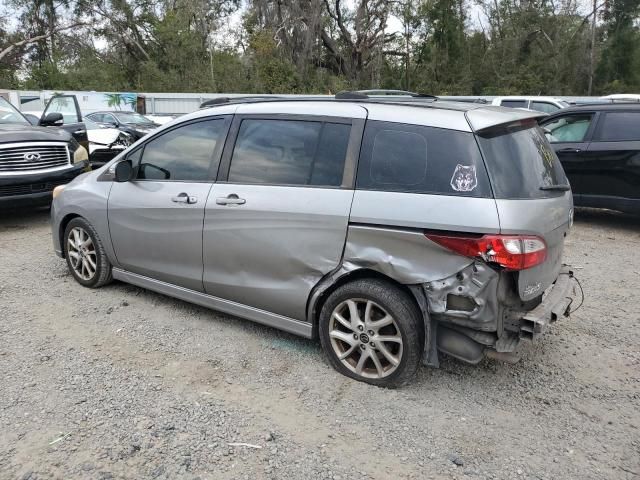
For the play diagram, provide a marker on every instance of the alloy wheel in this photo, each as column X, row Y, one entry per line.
column 365, row 338
column 82, row 253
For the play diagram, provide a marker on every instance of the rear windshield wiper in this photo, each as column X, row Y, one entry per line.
column 559, row 187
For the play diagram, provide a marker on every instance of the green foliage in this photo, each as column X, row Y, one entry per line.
column 287, row 46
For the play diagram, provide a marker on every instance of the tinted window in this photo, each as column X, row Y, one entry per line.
column 184, row 153
column 570, row 128
column 520, row 162
column 289, row 152
column 96, row 117
column 514, row 103
column 544, row 107
column 410, row 158
column 620, row 126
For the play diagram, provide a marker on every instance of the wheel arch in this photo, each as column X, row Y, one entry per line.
column 329, row 284
column 63, row 226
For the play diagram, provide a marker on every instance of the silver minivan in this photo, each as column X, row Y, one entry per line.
column 391, row 230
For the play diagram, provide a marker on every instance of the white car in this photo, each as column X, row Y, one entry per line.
column 540, row 104
column 104, row 142
column 622, row 97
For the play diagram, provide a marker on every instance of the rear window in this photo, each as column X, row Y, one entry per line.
column 620, row 127
column 521, row 163
column 514, row 103
column 410, row 158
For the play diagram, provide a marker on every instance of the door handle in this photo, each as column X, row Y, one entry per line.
column 79, row 132
column 570, row 150
column 184, row 198
column 231, row 199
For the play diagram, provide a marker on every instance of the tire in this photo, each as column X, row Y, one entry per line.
column 88, row 264
column 392, row 330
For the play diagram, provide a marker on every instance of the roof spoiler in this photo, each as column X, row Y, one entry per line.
column 485, row 119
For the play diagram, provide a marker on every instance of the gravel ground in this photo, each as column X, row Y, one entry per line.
column 121, row 383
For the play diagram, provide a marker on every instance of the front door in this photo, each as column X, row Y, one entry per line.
column 155, row 220
column 276, row 221
column 67, row 106
column 569, row 136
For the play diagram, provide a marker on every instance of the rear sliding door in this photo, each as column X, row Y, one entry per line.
column 276, row 220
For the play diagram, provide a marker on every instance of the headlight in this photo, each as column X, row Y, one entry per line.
column 57, row 190
column 77, row 151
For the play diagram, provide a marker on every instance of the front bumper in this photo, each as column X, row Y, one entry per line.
column 555, row 304
column 33, row 189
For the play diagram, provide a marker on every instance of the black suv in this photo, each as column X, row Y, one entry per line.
column 34, row 160
column 599, row 147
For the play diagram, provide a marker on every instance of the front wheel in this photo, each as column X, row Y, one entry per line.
column 85, row 254
column 372, row 331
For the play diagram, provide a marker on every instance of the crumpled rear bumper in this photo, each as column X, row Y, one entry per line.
column 555, row 305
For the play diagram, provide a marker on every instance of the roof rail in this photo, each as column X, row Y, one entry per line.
column 240, row 98
column 380, row 94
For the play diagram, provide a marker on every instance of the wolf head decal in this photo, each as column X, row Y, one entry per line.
column 464, row 178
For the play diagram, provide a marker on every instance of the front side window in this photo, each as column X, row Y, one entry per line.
column 411, row 158
column 184, row 153
column 289, row 152
column 66, row 106
column 570, row 128
column 96, row 117
column 620, row 127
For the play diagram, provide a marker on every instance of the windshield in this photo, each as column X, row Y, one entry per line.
column 10, row 114
column 132, row 117
column 521, row 163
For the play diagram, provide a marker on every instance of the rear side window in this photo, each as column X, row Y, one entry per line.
column 521, row 163
column 410, row 158
column 620, row 127
column 514, row 103
column 289, row 152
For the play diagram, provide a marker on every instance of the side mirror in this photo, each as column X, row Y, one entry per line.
column 52, row 119
column 124, row 170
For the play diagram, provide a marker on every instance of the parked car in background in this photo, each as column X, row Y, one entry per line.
column 622, row 97
column 103, row 142
column 599, row 147
column 132, row 123
column 539, row 104
column 390, row 230
column 34, row 160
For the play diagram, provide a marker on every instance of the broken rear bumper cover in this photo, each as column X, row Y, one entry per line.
column 491, row 328
column 555, row 304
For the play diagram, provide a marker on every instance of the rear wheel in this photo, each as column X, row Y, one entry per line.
column 372, row 331
column 85, row 254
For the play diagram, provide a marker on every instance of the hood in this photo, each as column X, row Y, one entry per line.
column 104, row 136
column 10, row 133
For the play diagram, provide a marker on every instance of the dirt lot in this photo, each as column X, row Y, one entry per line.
column 123, row 383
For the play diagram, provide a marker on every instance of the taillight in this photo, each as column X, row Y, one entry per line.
column 513, row 252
